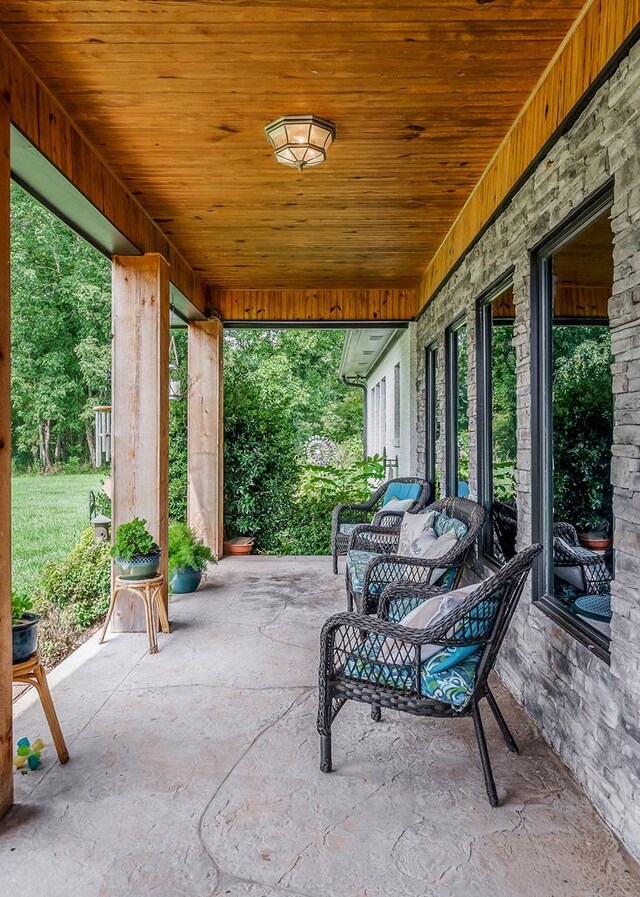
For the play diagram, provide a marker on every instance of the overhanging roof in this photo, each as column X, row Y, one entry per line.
column 364, row 348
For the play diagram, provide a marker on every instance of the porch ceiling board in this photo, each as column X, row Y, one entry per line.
column 597, row 34
column 175, row 96
column 39, row 116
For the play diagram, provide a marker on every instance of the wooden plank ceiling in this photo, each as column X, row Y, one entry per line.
column 175, row 95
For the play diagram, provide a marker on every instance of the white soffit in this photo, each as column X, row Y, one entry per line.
column 364, row 348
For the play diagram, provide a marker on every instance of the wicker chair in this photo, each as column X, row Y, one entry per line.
column 347, row 517
column 586, row 570
column 505, row 527
column 351, row 670
column 388, row 567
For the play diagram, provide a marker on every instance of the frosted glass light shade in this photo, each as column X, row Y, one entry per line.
column 300, row 141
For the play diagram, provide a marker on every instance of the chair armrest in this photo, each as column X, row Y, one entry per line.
column 367, row 537
column 389, row 519
column 384, row 570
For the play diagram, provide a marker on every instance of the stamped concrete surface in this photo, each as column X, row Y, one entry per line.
column 195, row 772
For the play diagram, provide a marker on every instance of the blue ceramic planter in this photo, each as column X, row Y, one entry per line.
column 185, row 580
column 25, row 637
column 143, row 567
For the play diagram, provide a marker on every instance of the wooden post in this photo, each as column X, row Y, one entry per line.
column 140, row 408
column 6, row 709
column 206, row 433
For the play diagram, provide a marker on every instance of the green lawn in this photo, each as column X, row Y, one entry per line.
column 48, row 514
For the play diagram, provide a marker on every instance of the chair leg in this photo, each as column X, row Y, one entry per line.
column 325, row 753
column 489, row 781
column 504, row 728
column 376, row 714
column 335, row 561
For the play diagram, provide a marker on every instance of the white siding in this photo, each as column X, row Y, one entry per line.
column 381, row 405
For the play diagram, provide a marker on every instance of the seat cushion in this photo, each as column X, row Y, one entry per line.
column 401, row 491
column 452, row 685
column 347, row 528
column 356, row 565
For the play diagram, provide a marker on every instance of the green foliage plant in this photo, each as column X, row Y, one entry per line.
column 186, row 551
column 21, row 603
column 133, row 540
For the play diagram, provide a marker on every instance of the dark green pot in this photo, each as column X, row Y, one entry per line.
column 24, row 637
column 185, row 580
column 143, row 567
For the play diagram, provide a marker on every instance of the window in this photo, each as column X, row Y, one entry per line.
column 383, row 416
column 396, row 405
column 457, row 410
column 431, row 419
column 497, row 421
column 573, row 423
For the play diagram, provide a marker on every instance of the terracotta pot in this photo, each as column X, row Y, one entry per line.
column 595, row 541
column 239, row 545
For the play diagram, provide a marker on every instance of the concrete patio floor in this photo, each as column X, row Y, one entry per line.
column 195, row 772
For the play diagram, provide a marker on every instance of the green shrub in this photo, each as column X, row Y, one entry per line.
column 320, row 489
column 80, row 583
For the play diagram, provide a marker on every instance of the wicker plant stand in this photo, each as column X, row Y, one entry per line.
column 149, row 592
column 31, row 672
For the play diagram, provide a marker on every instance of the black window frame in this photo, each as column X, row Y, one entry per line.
column 452, row 459
column 431, row 433
column 484, row 406
column 542, row 415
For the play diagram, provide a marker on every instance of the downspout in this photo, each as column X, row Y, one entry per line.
column 361, row 383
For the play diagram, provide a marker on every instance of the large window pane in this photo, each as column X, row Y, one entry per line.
column 457, row 411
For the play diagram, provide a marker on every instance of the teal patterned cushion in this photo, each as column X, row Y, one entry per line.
column 451, row 684
column 347, row 528
column 356, row 565
column 444, row 524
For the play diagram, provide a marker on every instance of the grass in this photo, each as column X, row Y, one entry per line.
column 48, row 514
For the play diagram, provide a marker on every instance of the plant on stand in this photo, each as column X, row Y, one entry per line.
column 24, row 627
column 136, row 553
column 188, row 559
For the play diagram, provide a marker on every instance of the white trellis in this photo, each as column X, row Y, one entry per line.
column 103, row 434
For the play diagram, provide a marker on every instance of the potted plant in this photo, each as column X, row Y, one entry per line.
column 188, row 558
column 24, row 627
column 136, row 554
column 596, row 534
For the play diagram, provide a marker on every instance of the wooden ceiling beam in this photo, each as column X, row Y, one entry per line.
column 598, row 33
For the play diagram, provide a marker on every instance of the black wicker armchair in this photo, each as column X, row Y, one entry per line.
column 585, row 572
column 374, row 563
column 351, row 667
column 347, row 517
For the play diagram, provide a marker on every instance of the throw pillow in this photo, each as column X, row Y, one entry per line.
column 397, row 504
column 430, row 611
column 416, row 534
column 440, row 546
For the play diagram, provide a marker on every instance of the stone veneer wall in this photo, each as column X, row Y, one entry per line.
column 588, row 711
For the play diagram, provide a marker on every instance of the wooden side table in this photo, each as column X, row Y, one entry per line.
column 150, row 592
column 31, row 672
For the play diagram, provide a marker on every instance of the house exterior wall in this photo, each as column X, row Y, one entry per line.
column 381, row 406
column 587, row 710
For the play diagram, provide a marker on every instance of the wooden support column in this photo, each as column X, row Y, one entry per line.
column 206, row 433
column 140, row 403
column 6, row 709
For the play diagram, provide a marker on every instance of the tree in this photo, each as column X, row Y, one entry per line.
column 61, row 314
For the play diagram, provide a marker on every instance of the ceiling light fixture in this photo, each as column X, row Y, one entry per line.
column 300, row 140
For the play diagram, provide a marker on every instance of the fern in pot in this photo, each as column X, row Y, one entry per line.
column 135, row 552
column 188, row 559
